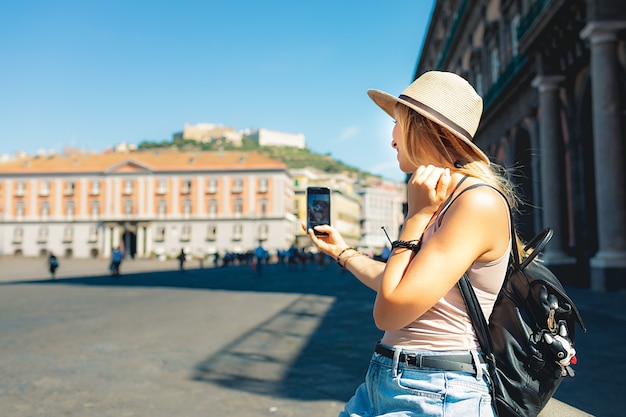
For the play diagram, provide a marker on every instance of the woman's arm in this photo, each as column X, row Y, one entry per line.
column 475, row 228
column 364, row 268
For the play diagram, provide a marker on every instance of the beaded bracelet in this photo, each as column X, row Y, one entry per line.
column 357, row 253
column 342, row 252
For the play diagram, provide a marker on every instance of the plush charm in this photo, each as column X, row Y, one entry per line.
column 561, row 346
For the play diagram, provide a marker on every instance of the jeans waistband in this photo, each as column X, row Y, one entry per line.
column 453, row 363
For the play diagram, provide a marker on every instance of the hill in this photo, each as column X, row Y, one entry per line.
column 292, row 157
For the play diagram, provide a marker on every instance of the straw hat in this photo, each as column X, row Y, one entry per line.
column 444, row 98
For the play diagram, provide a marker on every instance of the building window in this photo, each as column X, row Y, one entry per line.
column 94, row 208
column 263, row 185
column 495, row 65
column 19, row 210
column 42, row 234
column 44, row 190
column 238, row 185
column 18, row 235
column 44, row 210
column 211, row 234
column 128, row 187
column 212, row 187
column 263, row 231
column 263, row 206
column 161, row 187
column 161, row 208
column 68, row 234
column 479, row 83
column 95, row 187
column 185, row 235
column 187, row 207
column 186, row 187
column 93, row 234
column 69, row 188
column 237, row 231
column 238, row 207
column 514, row 40
column 213, row 207
column 20, row 189
column 128, row 207
column 159, row 236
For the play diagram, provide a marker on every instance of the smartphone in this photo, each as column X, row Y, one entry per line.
column 317, row 208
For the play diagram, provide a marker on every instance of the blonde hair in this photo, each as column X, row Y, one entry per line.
column 427, row 142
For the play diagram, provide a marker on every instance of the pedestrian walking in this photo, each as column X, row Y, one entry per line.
column 116, row 260
column 53, row 264
column 181, row 260
column 428, row 361
column 259, row 255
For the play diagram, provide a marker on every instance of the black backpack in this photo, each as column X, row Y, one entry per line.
column 529, row 341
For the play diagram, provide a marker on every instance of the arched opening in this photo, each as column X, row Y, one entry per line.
column 129, row 243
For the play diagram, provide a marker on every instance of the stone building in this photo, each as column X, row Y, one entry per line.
column 553, row 77
column 152, row 203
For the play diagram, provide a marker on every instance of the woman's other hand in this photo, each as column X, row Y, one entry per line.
column 427, row 189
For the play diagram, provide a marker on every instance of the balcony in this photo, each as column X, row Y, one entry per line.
column 533, row 13
column 452, row 33
column 504, row 79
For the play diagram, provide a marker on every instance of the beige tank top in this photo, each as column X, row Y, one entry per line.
column 447, row 326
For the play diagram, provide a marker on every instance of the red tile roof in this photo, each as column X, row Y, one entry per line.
column 153, row 160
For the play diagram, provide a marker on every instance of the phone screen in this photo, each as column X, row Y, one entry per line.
column 318, row 207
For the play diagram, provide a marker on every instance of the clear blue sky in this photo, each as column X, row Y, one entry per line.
column 90, row 74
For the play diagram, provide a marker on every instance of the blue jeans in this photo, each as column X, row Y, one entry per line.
column 401, row 390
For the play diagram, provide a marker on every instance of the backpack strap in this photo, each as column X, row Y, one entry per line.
column 514, row 252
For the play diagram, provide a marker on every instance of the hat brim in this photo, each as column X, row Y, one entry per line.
column 387, row 102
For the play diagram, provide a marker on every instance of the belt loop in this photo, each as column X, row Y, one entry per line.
column 477, row 365
column 396, row 361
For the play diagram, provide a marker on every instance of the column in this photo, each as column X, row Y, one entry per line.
column 610, row 260
column 107, row 242
column 115, row 237
column 550, row 156
column 141, row 237
column 83, row 210
column 148, row 240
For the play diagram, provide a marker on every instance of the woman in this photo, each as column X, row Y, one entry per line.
column 428, row 361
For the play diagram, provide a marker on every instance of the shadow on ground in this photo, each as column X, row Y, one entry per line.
column 317, row 348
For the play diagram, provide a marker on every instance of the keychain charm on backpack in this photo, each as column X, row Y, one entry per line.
column 560, row 345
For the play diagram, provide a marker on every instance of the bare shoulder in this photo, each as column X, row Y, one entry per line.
column 482, row 199
column 481, row 215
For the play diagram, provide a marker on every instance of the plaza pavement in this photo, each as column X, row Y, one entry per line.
column 223, row 341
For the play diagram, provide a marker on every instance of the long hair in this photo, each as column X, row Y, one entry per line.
column 427, row 142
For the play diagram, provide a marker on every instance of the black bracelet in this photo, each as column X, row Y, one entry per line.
column 414, row 247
